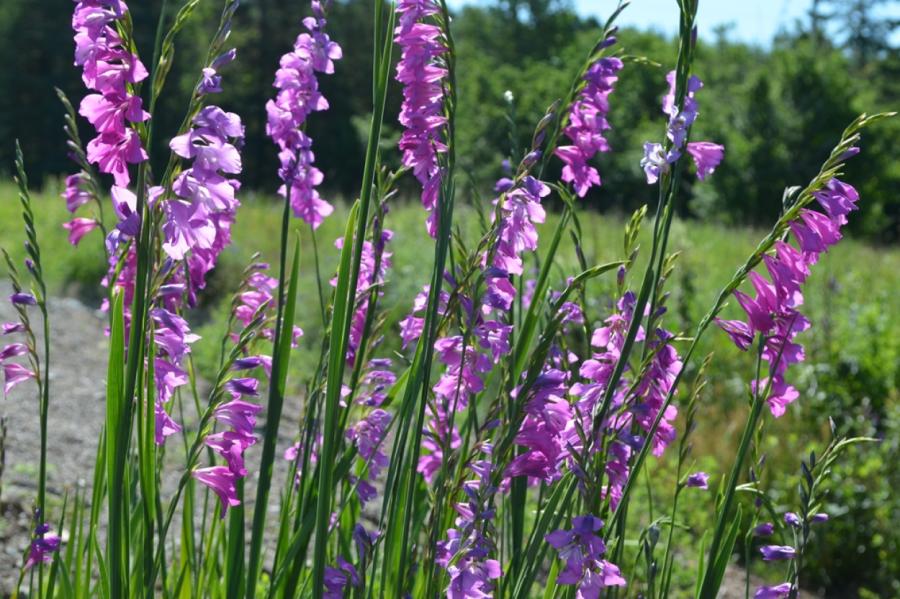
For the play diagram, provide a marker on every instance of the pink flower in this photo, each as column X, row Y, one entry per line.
column 79, row 227
column 221, row 480
column 15, row 374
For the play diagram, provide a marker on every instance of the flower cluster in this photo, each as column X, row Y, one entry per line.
column 368, row 434
column 110, row 69
column 583, row 553
column 173, row 339
column 773, row 312
column 197, row 224
column 240, row 416
column 465, row 553
column 658, row 158
column 422, row 112
column 587, row 122
column 634, row 402
column 298, row 96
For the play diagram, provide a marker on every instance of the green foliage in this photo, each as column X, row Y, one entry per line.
column 775, row 109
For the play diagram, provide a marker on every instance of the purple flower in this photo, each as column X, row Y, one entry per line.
column 779, row 591
column 336, row 579
column 777, row 552
column 76, row 193
column 819, row 517
column 583, row 552
column 221, row 480
column 698, row 480
column 43, row 546
column 298, row 96
column 23, row 299
column 8, row 328
column 240, row 415
column 764, row 530
column 12, row 350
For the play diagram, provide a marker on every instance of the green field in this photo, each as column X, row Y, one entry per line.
column 851, row 372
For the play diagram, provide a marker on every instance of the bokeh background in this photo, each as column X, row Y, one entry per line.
column 782, row 78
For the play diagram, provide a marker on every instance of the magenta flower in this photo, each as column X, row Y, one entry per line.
column 12, row 350
column 43, row 546
column 15, row 374
column 79, row 227
column 221, row 480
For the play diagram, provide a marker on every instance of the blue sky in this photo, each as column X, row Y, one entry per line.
column 755, row 21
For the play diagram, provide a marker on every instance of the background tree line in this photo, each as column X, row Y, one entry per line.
column 778, row 110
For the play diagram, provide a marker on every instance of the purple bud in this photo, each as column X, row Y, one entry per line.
column 777, row 552
column 820, row 517
column 792, row 519
column 850, row 153
column 224, row 59
column 248, row 363
column 531, row 158
column 609, row 41
column 764, row 530
column 23, row 299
